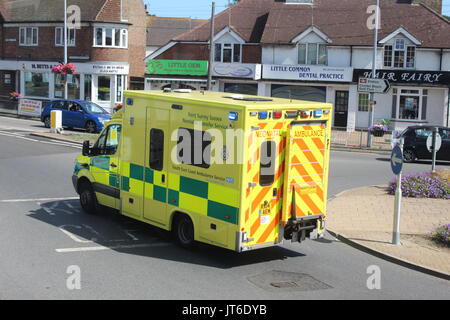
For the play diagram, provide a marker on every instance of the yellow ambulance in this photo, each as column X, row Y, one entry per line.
column 235, row 171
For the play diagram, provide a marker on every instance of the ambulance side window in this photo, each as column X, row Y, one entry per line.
column 194, row 148
column 156, row 149
column 267, row 163
column 109, row 141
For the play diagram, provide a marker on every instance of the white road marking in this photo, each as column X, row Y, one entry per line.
column 99, row 247
column 71, row 235
column 53, row 142
column 128, row 232
column 38, row 200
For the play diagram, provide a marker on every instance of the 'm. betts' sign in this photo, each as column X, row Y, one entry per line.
column 30, row 108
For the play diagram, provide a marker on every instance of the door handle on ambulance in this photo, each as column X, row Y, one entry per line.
column 113, row 165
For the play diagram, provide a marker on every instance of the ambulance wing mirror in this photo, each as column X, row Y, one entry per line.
column 86, row 148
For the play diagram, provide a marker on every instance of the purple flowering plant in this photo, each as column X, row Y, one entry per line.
column 442, row 235
column 423, row 185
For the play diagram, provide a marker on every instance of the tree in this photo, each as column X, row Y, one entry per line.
column 232, row 2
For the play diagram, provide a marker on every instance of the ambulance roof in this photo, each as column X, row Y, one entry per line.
column 226, row 99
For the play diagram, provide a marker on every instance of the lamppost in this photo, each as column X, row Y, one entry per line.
column 65, row 48
column 374, row 70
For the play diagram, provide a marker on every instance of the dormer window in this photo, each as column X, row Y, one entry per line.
column 399, row 55
column 312, row 53
column 227, row 52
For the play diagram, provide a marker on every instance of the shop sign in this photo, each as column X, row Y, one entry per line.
column 89, row 68
column 237, row 70
column 179, row 67
column 307, row 73
column 406, row 76
column 29, row 107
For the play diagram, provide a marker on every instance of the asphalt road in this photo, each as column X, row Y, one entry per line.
column 43, row 232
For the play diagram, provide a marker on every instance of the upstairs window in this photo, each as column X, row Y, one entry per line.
column 399, row 55
column 227, row 52
column 312, row 53
column 111, row 37
column 28, row 36
column 59, row 37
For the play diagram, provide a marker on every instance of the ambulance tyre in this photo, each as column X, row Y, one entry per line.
column 184, row 231
column 88, row 200
column 47, row 122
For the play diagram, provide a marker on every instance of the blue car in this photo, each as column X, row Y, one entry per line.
column 77, row 114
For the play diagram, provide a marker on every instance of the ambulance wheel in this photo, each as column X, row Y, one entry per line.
column 184, row 231
column 91, row 127
column 47, row 122
column 88, row 200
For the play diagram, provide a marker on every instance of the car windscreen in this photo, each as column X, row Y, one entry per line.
column 94, row 108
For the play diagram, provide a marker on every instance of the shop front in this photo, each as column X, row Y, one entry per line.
column 311, row 83
column 415, row 98
column 102, row 83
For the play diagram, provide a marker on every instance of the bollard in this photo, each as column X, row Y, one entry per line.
column 56, row 121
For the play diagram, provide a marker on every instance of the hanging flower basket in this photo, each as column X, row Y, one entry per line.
column 64, row 69
column 378, row 130
column 14, row 96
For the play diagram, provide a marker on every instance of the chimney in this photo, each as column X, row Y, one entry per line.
column 436, row 5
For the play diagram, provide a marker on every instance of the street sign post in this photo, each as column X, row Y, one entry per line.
column 397, row 166
column 434, row 143
column 373, row 85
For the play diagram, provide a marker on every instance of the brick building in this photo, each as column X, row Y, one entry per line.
column 318, row 49
column 108, row 49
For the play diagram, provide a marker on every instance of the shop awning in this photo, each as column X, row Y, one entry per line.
column 176, row 80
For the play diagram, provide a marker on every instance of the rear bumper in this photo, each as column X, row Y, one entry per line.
column 298, row 229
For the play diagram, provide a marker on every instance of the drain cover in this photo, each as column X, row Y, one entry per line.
column 282, row 281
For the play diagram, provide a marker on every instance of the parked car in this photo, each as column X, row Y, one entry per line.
column 415, row 143
column 77, row 114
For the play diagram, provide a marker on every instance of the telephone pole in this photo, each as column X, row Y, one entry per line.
column 211, row 48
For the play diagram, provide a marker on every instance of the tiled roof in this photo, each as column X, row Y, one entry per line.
column 161, row 30
column 343, row 21
column 47, row 10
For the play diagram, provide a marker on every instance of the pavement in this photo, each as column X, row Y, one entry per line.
column 365, row 217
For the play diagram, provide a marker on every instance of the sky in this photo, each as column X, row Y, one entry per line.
column 201, row 9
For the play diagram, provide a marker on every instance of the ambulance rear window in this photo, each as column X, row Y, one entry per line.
column 267, row 163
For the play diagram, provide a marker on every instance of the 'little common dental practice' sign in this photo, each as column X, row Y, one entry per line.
column 307, row 73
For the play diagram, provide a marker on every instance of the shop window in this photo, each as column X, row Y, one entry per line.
column 156, row 149
column 104, row 88
column 242, row 88
column 59, row 37
column 111, row 37
column 309, row 93
column 227, row 52
column 312, row 53
column 28, row 36
column 399, row 55
column 363, row 104
column 267, row 165
column 410, row 104
column 73, row 86
column 7, row 79
column 194, row 148
column 36, row 84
